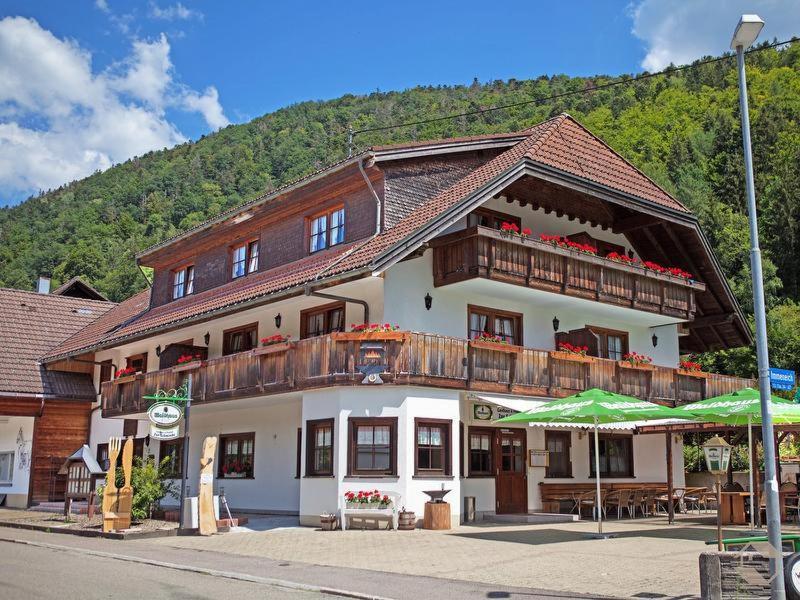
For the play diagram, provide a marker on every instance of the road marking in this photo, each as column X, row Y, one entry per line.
column 202, row 570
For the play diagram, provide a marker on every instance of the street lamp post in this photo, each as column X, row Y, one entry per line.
column 718, row 456
column 746, row 32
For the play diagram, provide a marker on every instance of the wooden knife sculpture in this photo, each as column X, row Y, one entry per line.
column 207, row 519
column 117, row 502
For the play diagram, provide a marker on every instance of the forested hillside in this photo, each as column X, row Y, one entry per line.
column 682, row 129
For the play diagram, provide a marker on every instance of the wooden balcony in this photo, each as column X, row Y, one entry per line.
column 484, row 252
column 412, row 359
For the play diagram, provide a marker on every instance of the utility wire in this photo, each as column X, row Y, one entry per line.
column 602, row 86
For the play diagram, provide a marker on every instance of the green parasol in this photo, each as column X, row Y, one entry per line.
column 743, row 407
column 595, row 407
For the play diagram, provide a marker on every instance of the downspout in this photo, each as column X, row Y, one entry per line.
column 363, row 303
column 378, row 201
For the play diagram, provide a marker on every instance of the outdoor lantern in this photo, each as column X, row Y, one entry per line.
column 278, row 319
column 428, row 301
column 158, row 350
column 718, row 455
column 556, row 323
column 207, row 338
column 655, row 340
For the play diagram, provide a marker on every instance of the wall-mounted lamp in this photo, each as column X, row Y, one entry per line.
column 556, row 323
column 655, row 340
column 630, row 253
column 278, row 320
column 207, row 338
column 428, row 301
column 158, row 350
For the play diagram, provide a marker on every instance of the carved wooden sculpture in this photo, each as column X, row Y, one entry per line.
column 207, row 519
column 117, row 502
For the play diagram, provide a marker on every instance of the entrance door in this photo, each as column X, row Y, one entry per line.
column 511, row 480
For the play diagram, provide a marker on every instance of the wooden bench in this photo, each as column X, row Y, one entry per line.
column 389, row 514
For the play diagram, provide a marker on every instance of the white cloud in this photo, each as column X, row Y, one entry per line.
column 60, row 121
column 174, row 12
column 678, row 32
column 102, row 5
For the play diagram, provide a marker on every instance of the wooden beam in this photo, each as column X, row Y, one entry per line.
column 709, row 320
column 635, row 222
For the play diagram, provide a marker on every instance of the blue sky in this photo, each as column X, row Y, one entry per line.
column 84, row 85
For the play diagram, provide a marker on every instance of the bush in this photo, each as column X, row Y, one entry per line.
column 150, row 483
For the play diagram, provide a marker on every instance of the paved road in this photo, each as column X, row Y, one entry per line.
column 30, row 572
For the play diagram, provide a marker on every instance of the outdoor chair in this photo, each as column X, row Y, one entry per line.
column 693, row 498
column 636, row 502
column 615, row 499
column 589, row 499
column 792, row 504
column 708, row 500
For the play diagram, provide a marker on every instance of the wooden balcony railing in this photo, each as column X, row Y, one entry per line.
column 485, row 252
column 416, row 359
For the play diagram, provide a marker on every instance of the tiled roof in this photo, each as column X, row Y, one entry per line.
column 560, row 143
column 231, row 294
column 32, row 325
column 449, row 141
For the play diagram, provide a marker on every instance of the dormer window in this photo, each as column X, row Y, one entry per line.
column 326, row 229
column 183, row 282
column 245, row 259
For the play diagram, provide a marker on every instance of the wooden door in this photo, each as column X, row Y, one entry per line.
column 511, row 474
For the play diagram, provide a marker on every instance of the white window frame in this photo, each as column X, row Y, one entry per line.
column 183, row 282
column 10, row 479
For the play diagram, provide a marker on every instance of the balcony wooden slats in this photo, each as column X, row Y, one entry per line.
column 419, row 359
column 484, row 252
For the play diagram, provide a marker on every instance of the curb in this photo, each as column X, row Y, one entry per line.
column 111, row 535
column 201, row 570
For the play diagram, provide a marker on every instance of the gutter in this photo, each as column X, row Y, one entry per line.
column 363, row 303
column 378, row 201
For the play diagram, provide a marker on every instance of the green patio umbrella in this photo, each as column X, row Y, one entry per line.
column 595, row 407
column 743, row 407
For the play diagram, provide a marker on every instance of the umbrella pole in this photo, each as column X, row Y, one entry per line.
column 599, row 505
column 753, row 507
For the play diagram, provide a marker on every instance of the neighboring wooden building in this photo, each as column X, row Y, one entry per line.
column 421, row 235
column 44, row 411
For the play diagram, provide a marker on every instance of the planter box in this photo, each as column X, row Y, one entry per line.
column 561, row 355
column 125, row 379
column 189, row 366
column 365, row 336
column 495, row 346
column 234, row 476
column 624, row 364
column 698, row 374
column 273, row 348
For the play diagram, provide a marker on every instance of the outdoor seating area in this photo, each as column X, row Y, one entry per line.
column 625, row 500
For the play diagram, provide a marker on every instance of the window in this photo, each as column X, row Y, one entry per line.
column 137, row 362
column 480, row 452
column 102, row 456
column 558, row 444
column 239, row 339
column 106, row 371
column 244, row 259
column 6, row 467
column 182, row 282
column 322, row 320
column 173, row 450
column 490, row 218
column 299, row 451
column 432, row 447
column 616, row 456
column 610, row 343
column 326, row 229
column 506, row 325
column 236, row 455
column 319, row 450
column 373, row 446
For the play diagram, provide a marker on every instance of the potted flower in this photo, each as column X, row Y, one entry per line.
column 350, row 500
column 566, row 243
column 124, row 375
column 236, row 469
column 508, row 229
column 634, row 360
column 488, row 341
column 691, row 368
column 370, row 331
column 274, row 339
column 273, row 343
column 187, row 362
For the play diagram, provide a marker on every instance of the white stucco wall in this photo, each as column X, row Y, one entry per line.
column 17, row 491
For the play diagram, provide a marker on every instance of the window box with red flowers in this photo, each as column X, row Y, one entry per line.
column 634, row 360
column 487, row 341
column 690, row 368
column 371, row 331
column 237, row 469
column 188, row 362
column 567, row 351
column 125, row 375
column 509, row 230
column 273, row 344
column 372, row 499
column 649, row 265
column 560, row 241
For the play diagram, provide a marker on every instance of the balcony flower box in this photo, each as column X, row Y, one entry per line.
column 692, row 373
column 188, row 366
column 495, row 346
column 624, row 364
column 365, row 336
column 273, row 348
column 124, row 379
column 571, row 356
column 241, row 475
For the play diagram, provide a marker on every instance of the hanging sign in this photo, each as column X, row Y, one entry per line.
column 489, row 412
column 781, row 379
column 164, row 433
column 164, row 414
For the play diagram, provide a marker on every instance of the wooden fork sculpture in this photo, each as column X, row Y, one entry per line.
column 117, row 502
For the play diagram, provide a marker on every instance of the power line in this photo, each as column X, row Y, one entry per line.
column 603, row 86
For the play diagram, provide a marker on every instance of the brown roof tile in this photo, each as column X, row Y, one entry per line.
column 31, row 325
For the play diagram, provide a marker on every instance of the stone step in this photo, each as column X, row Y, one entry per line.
column 532, row 518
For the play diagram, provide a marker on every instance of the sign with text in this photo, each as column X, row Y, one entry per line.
column 164, row 414
column 781, row 379
column 164, row 433
column 491, row 412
